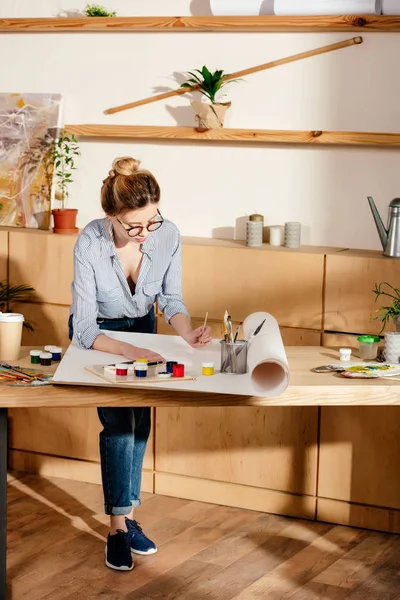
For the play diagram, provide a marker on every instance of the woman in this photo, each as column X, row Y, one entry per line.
column 122, row 264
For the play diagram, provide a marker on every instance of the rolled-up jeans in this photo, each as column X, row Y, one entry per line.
column 124, row 436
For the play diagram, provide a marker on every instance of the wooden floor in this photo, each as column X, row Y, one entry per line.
column 56, row 551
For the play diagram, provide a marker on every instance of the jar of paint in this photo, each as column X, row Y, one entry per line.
column 170, row 366
column 35, row 356
column 345, row 354
column 368, row 346
column 121, row 370
column 141, row 369
column 56, row 353
column 45, row 359
column 178, row 370
column 142, row 360
column 207, row 368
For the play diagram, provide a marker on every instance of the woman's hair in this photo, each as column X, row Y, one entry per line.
column 128, row 187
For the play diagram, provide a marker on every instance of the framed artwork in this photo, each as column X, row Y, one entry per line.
column 29, row 126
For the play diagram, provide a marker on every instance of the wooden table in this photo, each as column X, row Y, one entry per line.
column 306, row 389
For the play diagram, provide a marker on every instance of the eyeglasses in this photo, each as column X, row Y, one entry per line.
column 137, row 229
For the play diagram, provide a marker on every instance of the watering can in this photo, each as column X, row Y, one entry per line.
column 390, row 236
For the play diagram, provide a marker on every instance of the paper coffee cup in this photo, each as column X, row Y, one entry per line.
column 10, row 335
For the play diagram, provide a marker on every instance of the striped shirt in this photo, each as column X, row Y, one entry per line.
column 100, row 288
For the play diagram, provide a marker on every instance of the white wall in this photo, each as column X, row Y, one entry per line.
column 206, row 188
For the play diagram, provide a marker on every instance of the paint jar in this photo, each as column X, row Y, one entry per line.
column 369, row 346
column 292, row 234
column 234, row 357
column 56, row 353
column 254, row 233
column 276, row 235
column 392, row 347
column 141, row 369
column 142, row 360
column 345, row 354
column 207, row 369
column 45, row 359
column 170, row 366
column 178, row 370
column 35, row 356
column 121, row 370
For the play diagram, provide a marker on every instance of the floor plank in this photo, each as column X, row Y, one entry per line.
column 57, row 532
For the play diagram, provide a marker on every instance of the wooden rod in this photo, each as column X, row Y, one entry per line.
column 142, row 132
column 263, row 67
column 223, row 24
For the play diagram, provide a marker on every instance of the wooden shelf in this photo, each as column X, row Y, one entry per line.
column 144, row 132
column 208, row 23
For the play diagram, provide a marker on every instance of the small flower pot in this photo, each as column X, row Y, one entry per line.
column 210, row 116
column 65, row 220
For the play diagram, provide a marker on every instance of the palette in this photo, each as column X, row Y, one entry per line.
column 371, row 371
column 108, row 373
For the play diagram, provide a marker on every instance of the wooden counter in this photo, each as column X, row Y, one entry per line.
column 306, row 389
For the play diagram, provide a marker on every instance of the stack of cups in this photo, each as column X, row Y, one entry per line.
column 10, row 335
column 292, row 234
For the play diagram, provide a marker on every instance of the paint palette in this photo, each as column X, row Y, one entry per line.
column 370, row 371
column 108, row 373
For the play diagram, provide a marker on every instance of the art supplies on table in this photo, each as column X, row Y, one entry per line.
column 361, row 370
column 14, row 375
column 140, row 372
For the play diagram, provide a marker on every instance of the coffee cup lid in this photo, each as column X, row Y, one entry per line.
column 11, row 317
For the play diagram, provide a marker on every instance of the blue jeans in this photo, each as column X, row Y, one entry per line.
column 124, row 436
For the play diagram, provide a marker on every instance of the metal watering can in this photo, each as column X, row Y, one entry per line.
column 390, row 236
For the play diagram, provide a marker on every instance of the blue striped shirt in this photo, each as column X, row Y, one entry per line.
column 100, row 288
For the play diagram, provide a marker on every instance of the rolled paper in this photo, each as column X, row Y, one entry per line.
column 327, row 7
column 391, row 7
column 266, row 359
column 242, row 7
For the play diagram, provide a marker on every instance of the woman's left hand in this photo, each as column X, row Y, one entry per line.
column 200, row 337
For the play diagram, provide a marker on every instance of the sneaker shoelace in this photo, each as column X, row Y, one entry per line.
column 135, row 525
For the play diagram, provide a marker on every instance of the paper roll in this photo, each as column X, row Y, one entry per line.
column 327, row 7
column 391, row 7
column 242, row 7
column 267, row 362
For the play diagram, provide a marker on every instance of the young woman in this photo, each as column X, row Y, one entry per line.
column 122, row 265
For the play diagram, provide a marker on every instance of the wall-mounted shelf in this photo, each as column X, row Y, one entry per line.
column 144, row 132
column 209, row 23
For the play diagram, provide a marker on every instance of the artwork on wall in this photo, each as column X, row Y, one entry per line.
column 29, row 124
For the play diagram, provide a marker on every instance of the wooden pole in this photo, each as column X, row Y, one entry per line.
column 263, row 67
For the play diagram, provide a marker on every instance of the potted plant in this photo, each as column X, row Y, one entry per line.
column 95, row 10
column 64, row 152
column 209, row 115
column 391, row 312
column 16, row 293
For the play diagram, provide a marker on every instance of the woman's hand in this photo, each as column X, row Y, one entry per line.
column 198, row 338
column 133, row 353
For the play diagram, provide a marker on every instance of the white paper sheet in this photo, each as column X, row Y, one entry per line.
column 327, row 7
column 242, row 7
column 268, row 374
column 391, row 7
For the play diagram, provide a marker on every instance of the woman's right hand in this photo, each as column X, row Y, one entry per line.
column 133, row 353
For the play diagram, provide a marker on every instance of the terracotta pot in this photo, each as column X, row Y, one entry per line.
column 210, row 116
column 65, row 220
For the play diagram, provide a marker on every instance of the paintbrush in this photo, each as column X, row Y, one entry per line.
column 204, row 328
column 237, row 332
column 28, row 376
column 256, row 331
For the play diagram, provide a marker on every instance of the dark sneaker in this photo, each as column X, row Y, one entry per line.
column 140, row 543
column 118, row 551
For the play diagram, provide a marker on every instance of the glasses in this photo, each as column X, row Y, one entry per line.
column 137, row 229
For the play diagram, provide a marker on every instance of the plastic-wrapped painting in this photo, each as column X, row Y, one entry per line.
column 29, row 124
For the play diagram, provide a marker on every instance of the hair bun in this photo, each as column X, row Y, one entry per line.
column 126, row 165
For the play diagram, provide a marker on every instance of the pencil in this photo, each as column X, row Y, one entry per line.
column 204, row 327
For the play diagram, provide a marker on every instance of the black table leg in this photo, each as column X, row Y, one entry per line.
column 3, row 502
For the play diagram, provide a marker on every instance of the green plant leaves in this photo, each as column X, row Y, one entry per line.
column 95, row 10
column 386, row 313
column 208, row 84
